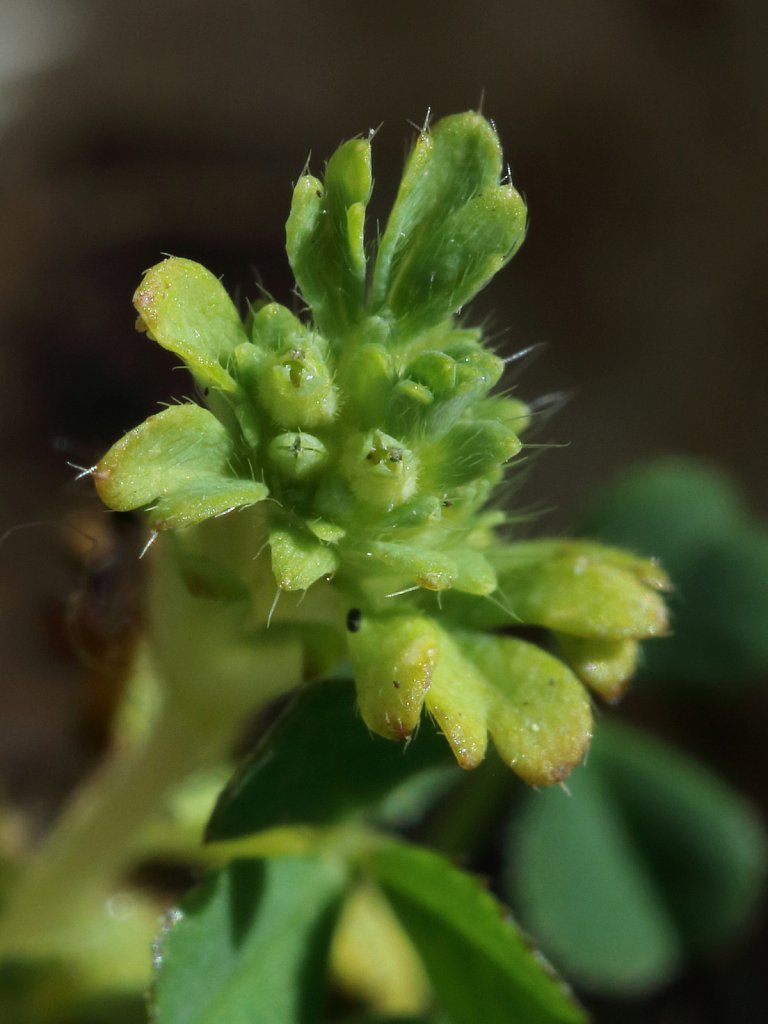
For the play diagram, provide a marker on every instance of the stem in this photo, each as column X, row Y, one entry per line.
column 94, row 841
column 213, row 676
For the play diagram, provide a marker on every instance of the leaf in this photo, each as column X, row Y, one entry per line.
column 452, row 227
column 393, row 659
column 180, row 459
column 187, row 310
column 605, row 666
column 535, row 710
column 579, row 594
column 650, row 856
column 250, row 945
column 693, row 518
column 342, row 770
column 481, row 966
column 325, row 237
column 373, row 960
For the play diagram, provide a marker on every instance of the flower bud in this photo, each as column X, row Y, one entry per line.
column 298, row 455
column 381, row 471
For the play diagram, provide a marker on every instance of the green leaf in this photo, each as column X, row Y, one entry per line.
column 180, row 460
column 650, row 855
column 250, row 945
column 694, row 519
column 393, row 660
column 325, row 237
column 575, row 593
column 453, row 226
column 186, row 309
column 342, row 769
column 605, row 666
column 535, row 710
column 481, row 966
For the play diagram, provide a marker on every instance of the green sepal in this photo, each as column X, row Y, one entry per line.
column 513, row 412
column 534, row 708
column 299, row 559
column 453, row 226
column 325, row 237
column 427, row 568
column 186, row 310
column 181, row 460
column 605, row 666
column 393, row 658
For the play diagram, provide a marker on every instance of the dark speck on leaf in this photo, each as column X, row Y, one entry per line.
column 354, row 620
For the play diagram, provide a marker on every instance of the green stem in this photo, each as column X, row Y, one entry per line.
column 94, row 843
column 213, row 676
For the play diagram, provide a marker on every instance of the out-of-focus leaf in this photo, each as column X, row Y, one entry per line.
column 340, row 769
column 649, row 857
column 373, row 960
column 250, row 945
column 693, row 519
column 481, row 966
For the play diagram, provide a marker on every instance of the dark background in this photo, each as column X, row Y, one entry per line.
column 636, row 129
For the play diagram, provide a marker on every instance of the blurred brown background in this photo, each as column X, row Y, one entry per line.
column 635, row 128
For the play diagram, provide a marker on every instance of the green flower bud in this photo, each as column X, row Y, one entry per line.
column 380, row 469
column 298, row 455
column 296, row 386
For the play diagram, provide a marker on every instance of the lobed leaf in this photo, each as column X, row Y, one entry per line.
column 186, row 309
column 535, row 710
column 325, row 237
column 452, row 225
column 180, row 459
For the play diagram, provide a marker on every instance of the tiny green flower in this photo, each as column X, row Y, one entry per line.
column 368, row 435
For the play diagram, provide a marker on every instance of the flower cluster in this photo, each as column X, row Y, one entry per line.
column 369, row 436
